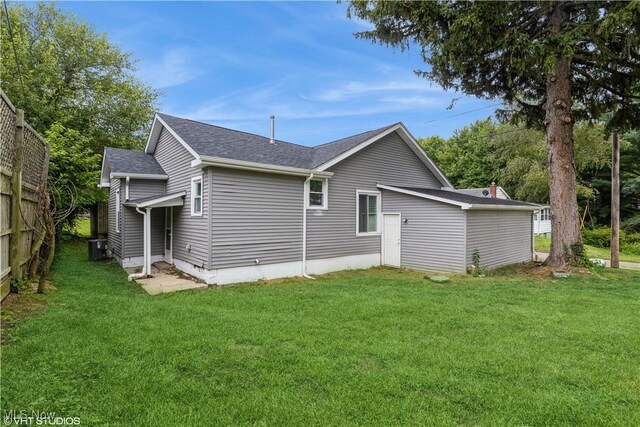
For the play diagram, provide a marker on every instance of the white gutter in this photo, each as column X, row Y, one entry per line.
column 146, row 264
column 126, row 189
column 205, row 161
column 304, row 228
column 501, row 208
column 138, row 176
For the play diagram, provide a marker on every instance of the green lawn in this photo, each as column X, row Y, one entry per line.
column 380, row 347
column 82, row 228
column 543, row 244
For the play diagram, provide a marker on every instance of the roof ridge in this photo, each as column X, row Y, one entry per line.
column 232, row 130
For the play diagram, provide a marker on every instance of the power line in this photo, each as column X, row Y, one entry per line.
column 15, row 53
column 465, row 112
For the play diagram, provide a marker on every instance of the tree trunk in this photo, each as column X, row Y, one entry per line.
column 615, row 201
column 565, row 231
column 51, row 237
column 15, row 244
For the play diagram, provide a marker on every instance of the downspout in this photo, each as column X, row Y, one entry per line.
column 143, row 273
column 304, row 228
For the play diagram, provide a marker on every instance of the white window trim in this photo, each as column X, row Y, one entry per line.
column 378, row 209
column 325, row 194
column 118, row 211
column 193, row 181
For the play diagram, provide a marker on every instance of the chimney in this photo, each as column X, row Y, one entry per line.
column 493, row 190
column 273, row 130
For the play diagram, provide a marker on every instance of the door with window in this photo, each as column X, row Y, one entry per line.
column 168, row 235
column 391, row 239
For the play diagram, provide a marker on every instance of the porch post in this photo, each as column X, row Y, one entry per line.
column 147, row 241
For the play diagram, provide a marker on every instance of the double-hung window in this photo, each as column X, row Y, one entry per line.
column 317, row 194
column 368, row 212
column 196, row 196
column 118, row 207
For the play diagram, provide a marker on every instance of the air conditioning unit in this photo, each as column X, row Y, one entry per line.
column 98, row 249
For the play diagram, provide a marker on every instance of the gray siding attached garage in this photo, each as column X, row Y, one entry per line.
column 501, row 237
column 432, row 238
column 441, row 229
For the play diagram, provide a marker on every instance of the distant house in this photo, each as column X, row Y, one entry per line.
column 486, row 192
column 542, row 217
column 542, row 221
column 228, row 206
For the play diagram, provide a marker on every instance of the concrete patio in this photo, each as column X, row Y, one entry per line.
column 165, row 278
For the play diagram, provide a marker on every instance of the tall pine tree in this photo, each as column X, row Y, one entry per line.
column 553, row 62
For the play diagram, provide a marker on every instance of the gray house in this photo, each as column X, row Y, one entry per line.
column 228, row 206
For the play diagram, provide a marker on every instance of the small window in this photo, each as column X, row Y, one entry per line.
column 118, row 207
column 196, row 196
column 368, row 213
column 317, row 194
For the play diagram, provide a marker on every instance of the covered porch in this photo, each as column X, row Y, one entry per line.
column 152, row 209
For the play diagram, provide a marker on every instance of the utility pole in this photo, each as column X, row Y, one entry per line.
column 615, row 201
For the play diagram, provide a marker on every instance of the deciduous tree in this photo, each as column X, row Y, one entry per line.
column 72, row 82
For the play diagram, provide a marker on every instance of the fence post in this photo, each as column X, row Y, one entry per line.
column 16, row 200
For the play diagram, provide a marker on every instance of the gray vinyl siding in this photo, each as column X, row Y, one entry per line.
column 432, row 239
column 190, row 233
column 332, row 233
column 140, row 188
column 502, row 237
column 114, row 238
column 255, row 216
column 134, row 221
column 134, row 232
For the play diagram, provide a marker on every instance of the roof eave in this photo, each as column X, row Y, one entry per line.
column 205, row 161
column 425, row 196
column 175, row 199
column 154, row 136
column 502, row 207
column 462, row 205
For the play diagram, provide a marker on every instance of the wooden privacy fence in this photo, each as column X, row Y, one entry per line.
column 34, row 176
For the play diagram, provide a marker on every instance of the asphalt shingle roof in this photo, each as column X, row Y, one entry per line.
column 130, row 161
column 466, row 198
column 216, row 141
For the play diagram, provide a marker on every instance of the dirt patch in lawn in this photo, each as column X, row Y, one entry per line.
column 537, row 271
column 16, row 306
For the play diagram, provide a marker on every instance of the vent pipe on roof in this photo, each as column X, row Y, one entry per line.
column 272, row 140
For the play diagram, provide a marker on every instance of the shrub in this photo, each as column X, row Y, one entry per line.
column 601, row 238
column 630, row 248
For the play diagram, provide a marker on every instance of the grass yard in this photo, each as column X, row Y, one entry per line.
column 380, row 346
column 82, row 228
column 543, row 244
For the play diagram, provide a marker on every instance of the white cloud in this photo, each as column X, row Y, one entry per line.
column 176, row 67
column 356, row 89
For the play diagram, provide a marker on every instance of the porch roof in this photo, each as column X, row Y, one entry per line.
column 159, row 201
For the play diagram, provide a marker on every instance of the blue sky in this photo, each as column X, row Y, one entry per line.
column 235, row 63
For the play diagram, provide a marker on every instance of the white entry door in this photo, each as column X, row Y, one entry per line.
column 168, row 235
column 391, row 239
